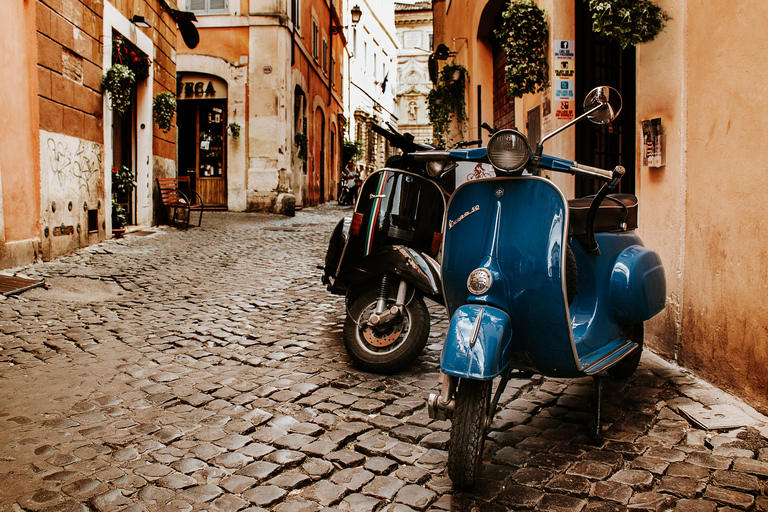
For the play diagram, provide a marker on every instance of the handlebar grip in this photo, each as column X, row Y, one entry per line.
column 593, row 171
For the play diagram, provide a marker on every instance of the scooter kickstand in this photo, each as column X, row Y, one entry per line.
column 597, row 427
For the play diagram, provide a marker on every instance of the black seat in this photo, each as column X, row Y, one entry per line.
column 617, row 212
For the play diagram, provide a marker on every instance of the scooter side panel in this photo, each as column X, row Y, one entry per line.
column 399, row 260
column 476, row 343
column 516, row 228
column 638, row 285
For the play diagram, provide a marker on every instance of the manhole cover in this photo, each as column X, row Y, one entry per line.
column 10, row 285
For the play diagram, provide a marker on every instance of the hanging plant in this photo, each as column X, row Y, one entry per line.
column 118, row 81
column 234, row 129
column 523, row 36
column 124, row 52
column 627, row 22
column 163, row 110
column 446, row 101
column 301, row 142
column 123, row 180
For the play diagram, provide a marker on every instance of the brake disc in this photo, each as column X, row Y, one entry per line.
column 384, row 335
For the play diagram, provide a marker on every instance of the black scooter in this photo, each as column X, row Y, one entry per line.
column 385, row 258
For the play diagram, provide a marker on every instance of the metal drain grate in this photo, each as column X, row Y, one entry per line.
column 10, row 285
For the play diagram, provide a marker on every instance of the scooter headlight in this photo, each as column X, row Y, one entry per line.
column 434, row 168
column 508, row 150
column 480, row 281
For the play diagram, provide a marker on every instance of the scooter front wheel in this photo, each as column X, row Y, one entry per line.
column 391, row 346
column 470, row 417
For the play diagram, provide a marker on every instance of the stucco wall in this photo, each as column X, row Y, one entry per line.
column 19, row 163
column 700, row 77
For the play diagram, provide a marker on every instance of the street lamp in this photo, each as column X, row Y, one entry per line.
column 356, row 13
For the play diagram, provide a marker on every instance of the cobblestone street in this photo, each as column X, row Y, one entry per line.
column 205, row 370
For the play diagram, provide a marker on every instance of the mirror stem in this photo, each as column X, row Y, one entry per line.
column 569, row 124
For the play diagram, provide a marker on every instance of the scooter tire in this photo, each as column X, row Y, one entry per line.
column 395, row 356
column 470, row 416
column 625, row 368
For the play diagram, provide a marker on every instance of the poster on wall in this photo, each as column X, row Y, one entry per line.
column 564, row 66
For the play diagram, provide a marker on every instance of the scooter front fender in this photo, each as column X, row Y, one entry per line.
column 477, row 345
column 416, row 268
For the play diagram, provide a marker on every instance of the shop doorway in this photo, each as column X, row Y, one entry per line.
column 601, row 62
column 202, row 137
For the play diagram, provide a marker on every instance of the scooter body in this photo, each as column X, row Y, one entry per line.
column 383, row 259
column 537, row 284
column 516, row 229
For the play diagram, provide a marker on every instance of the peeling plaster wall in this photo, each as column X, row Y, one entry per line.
column 72, row 183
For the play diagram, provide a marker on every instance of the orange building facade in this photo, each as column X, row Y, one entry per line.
column 696, row 191
column 260, row 103
column 59, row 138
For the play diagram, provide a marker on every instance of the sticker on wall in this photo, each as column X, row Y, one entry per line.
column 564, row 90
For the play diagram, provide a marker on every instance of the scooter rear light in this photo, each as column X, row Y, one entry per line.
column 357, row 224
column 437, row 241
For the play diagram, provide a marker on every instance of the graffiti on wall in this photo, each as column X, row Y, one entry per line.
column 73, row 165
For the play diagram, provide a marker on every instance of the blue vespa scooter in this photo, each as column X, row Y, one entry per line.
column 536, row 284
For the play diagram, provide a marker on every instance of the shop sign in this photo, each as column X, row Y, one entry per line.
column 565, row 79
column 200, row 87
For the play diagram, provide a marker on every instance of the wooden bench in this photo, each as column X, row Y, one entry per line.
column 177, row 201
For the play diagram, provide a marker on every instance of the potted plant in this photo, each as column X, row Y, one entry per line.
column 123, row 181
column 523, row 36
column 117, row 82
column 234, row 129
column 446, row 101
column 119, row 219
column 163, row 110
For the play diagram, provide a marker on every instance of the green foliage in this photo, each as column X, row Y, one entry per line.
column 446, row 101
column 234, row 129
column 627, row 22
column 124, row 52
column 119, row 215
column 351, row 150
column 123, row 180
column 524, row 36
column 118, row 81
column 163, row 109
column 301, row 142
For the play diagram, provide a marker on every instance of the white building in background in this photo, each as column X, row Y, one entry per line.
column 371, row 78
column 414, row 33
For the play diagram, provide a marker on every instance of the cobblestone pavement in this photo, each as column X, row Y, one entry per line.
column 205, row 370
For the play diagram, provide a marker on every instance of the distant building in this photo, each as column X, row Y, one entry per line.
column 372, row 71
column 272, row 71
column 414, row 32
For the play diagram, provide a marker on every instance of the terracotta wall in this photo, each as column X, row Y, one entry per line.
column 703, row 208
column 19, row 140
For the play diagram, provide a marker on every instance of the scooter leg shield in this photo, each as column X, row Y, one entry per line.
column 638, row 286
column 477, row 343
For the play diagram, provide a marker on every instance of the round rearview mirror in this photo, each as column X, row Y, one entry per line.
column 609, row 101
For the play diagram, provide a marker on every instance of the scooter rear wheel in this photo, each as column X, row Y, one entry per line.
column 387, row 348
column 470, row 416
